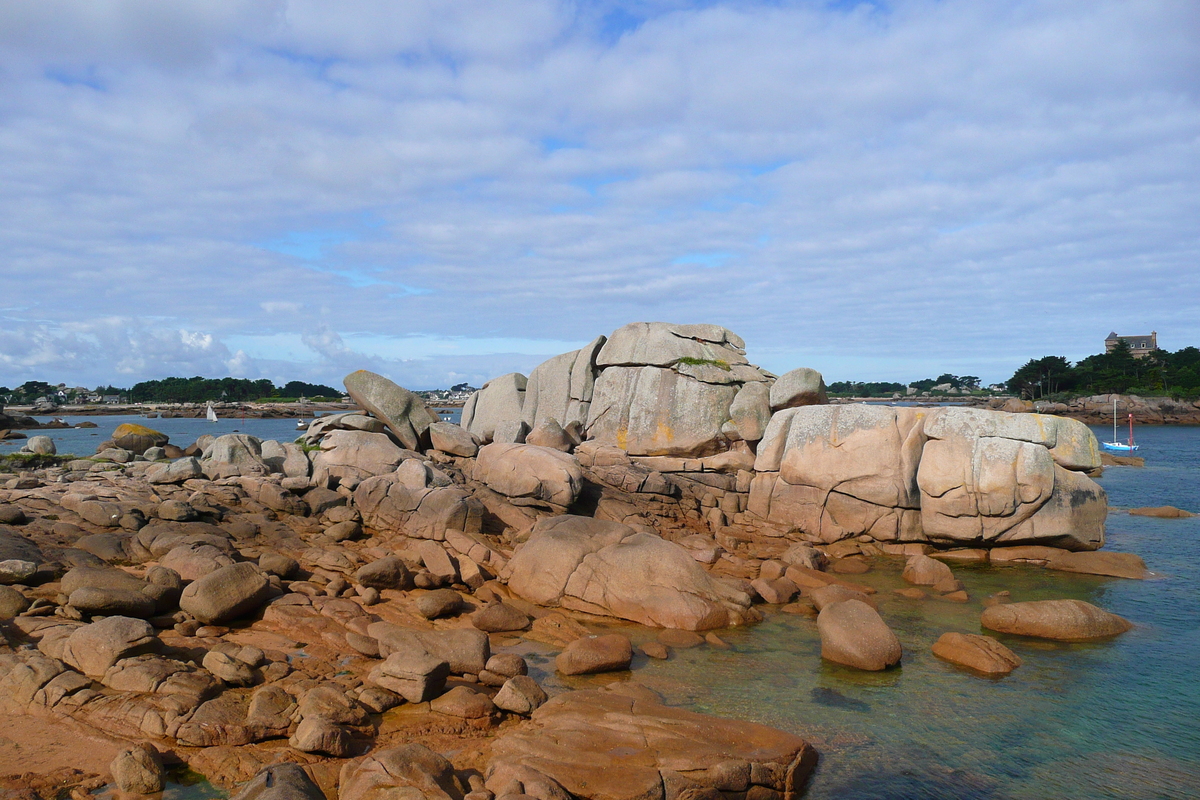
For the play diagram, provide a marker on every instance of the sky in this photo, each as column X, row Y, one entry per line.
column 443, row 192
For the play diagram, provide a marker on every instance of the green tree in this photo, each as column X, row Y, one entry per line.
column 1041, row 377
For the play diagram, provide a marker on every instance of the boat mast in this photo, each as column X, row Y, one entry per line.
column 1131, row 430
column 1114, row 418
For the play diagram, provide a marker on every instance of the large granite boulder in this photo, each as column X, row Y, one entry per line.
column 93, row 648
column 853, row 633
column 750, row 412
column 621, row 743
column 226, row 593
column 453, row 439
column 234, row 455
column 607, row 568
column 349, row 457
column 666, row 390
column 1066, row 620
column 950, row 476
column 403, row 412
column 530, row 475
column 1071, row 444
column 991, row 478
column 839, row 471
column 138, row 770
column 980, row 653
column 15, row 547
column 347, row 421
column 800, row 387
column 560, row 389
column 410, row 502
column 408, row 771
column 655, row 411
column 413, row 674
column 283, row 781
column 175, row 471
column 1116, row 565
column 588, row 655
column 498, row 405
column 137, row 438
column 464, row 650
column 40, row 445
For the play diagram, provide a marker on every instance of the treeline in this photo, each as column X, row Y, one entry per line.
column 963, row 383
column 31, row 391
column 227, row 390
column 1157, row 374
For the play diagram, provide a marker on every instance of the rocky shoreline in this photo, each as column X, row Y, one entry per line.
column 351, row 614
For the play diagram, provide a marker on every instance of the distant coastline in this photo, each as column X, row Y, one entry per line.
column 195, row 410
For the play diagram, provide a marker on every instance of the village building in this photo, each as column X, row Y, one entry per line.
column 1139, row 346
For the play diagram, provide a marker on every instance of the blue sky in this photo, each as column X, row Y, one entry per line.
column 444, row 192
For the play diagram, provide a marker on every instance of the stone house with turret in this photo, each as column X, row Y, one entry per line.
column 1139, row 346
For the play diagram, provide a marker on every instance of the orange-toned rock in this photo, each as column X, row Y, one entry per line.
column 1162, row 512
column 620, row 741
column 137, row 438
column 592, row 654
column 1067, row 620
column 980, row 653
column 926, row 571
column 1031, row 554
column 853, row 633
column 835, row 594
column 1116, row 565
column 602, row 567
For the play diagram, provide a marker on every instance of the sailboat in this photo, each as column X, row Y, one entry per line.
column 1114, row 444
column 211, row 416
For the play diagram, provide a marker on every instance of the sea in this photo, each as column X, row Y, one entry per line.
column 1118, row 718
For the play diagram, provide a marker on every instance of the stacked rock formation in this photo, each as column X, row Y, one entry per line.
column 682, row 400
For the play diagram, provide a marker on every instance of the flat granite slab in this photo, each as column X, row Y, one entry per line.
column 621, row 743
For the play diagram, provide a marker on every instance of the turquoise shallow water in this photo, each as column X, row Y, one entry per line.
column 1119, row 718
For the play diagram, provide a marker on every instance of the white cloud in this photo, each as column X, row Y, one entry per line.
column 959, row 183
column 277, row 307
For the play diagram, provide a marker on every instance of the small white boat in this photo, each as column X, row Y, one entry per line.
column 1114, row 445
column 211, row 416
column 301, row 425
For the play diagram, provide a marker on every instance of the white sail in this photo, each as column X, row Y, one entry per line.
column 212, row 415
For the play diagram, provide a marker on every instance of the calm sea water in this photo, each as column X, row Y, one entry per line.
column 1112, row 719
column 83, row 441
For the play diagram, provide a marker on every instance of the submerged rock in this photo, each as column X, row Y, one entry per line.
column 980, row 653
column 1116, row 565
column 1162, row 512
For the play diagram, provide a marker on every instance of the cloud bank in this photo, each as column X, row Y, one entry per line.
column 445, row 192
